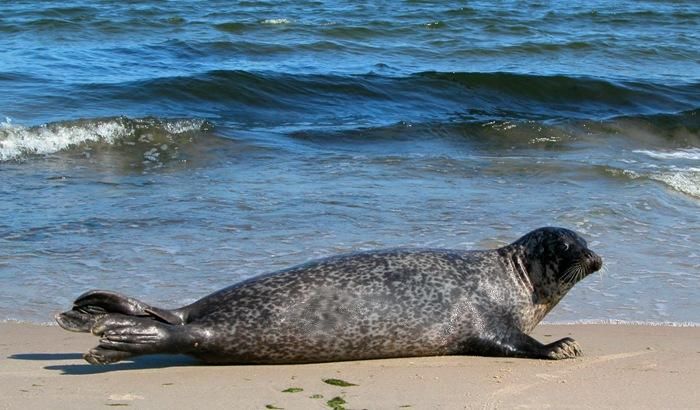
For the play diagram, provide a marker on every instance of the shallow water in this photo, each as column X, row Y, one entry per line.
column 166, row 150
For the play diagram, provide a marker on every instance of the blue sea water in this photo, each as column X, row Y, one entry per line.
column 166, row 149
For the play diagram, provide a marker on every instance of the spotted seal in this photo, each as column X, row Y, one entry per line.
column 368, row 305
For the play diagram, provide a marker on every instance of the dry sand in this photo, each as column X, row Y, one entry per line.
column 624, row 366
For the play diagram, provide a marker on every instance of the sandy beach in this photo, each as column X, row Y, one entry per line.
column 624, row 366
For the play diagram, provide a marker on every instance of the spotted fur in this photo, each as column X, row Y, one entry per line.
column 368, row 305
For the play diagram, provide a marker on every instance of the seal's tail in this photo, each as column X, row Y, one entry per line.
column 93, row 305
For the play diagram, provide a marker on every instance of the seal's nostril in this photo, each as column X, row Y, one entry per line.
column 595, row 261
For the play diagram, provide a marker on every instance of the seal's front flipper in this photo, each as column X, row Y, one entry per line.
column 522, row 345
column 123, row 336
column 566, row 348
column 518, row 344
column 91, row 306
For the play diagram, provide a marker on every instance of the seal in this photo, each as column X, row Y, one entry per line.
column 368, row 305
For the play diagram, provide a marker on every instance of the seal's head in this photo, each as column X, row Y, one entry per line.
column 555, row 259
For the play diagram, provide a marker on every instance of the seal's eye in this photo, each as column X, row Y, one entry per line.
column 564, row 246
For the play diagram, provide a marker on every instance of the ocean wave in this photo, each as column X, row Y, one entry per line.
column 565, row 92
column 682, row 180
column 686, row 181
column 491, row 134
column 690, row 153
column 659, row 151
column 621, row 16
column 658, row 133
column 664, row 133
column 372, row 98
column 542, row 47
column 17, row 142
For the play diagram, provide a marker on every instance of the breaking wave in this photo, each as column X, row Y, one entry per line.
column 18, row 142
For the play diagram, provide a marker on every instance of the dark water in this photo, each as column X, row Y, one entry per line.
column 169, row 148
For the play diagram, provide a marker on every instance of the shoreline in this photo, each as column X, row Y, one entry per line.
column 628, row 366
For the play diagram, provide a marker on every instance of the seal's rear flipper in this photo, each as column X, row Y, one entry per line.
column 76, row 320
column 92, row 305
column 99, row 355
column 123, row 336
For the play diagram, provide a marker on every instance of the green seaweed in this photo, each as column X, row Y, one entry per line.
column 273, row 407
column 336, row 403
column 338, row 382
column 316, row 396
column 292, row 390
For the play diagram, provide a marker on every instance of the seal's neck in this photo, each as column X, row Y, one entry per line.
column 522, row 270
column 538, row 279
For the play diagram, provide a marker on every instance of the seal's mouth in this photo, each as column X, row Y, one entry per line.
column 593, row 261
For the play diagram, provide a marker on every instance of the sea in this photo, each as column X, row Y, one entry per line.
column 168, row 148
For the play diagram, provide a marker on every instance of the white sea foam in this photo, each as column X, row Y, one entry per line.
column 691, row 153
column 27, row 322
column 275, row 21
column 686, row 180
column 18, row 141
column 621, row 322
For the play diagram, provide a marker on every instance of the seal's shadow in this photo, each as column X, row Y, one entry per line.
column 137, row 363
column 46, row 356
